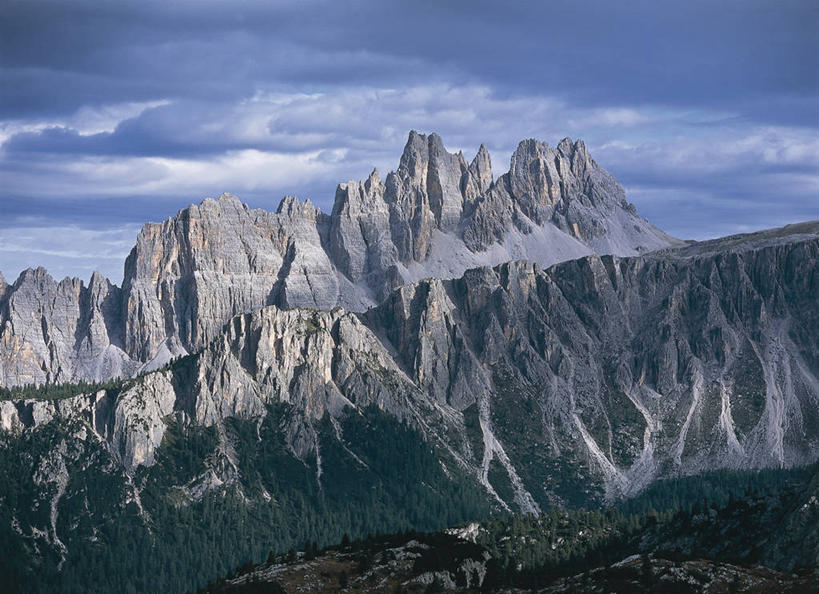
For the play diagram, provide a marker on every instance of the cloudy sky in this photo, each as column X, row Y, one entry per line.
column 117, row 113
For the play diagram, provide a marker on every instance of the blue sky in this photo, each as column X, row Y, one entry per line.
column 117, row 113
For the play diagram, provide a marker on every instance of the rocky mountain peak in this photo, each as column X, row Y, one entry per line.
column 61, row 331
column 214, row 207
column 228, row 197
column 34, row 276
column 373, row 180
column 360, row 197
column 99, row 282
column 415, row 157
column 481, row 165
column 478, row 178
column 419, row 150
column 426, row 190
column 569, row 147
column 33, row 283
column 291, row 206
column 566, row 146
column 535, row 180
column 435, row 216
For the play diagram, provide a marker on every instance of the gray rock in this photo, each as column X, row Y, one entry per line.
column 590, row 379
column 435, row 216
column 56, row 332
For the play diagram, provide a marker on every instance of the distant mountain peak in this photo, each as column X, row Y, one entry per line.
column 436, row 215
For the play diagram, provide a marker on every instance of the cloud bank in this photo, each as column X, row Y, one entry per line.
column 117, row 113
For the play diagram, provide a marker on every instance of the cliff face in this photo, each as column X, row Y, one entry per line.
column 187, row 276
column 511, row 388
column 637, row 368
column 587, row 380
column 54, row 332
column 435, row 216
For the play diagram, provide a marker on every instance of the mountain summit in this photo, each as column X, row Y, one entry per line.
column 495, row 389
column 435, row 216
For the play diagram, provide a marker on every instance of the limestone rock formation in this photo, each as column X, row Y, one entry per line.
column 639, row 367
column 53, row 332
column 587, row 380
column 435, row 216
column 538, row 342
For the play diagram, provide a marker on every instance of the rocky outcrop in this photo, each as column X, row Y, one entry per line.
column 435, row 216
column 587, row 380
column 54, row 332
column 319, row 362
column 131, row 420
column 641, row 367
column 190, row 274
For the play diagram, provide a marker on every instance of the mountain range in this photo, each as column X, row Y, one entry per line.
column 528, row 340
column 436, row 216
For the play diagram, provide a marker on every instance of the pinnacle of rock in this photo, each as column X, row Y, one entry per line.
column 435, row 216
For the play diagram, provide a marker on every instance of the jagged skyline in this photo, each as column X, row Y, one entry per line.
column 435, row 216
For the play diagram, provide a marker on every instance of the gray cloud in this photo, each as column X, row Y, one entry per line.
column 116, row 113
column 696, row 52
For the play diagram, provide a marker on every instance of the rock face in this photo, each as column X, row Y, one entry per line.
column 187, row 276
column 435, row 216
column 587, row 380
column 54, row 332
column 318, row 362
column 643, row 367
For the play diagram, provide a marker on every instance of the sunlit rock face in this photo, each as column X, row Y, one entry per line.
column 584, row 381
column 435, row 216
column 61, row 331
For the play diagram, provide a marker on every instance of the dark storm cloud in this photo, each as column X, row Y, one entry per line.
column 58, row 60
column 685, row 53
column 112, row 113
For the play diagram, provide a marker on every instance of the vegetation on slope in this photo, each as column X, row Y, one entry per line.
column 220, row 497
column 213, row 500
column 679, row 534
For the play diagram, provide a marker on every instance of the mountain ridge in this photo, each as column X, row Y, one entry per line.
column 435, row 216
column 508, row 389
column 631, row 369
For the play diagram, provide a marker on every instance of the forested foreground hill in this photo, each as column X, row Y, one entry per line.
column 72, row 520
column 722, row 532
column 220, row 498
